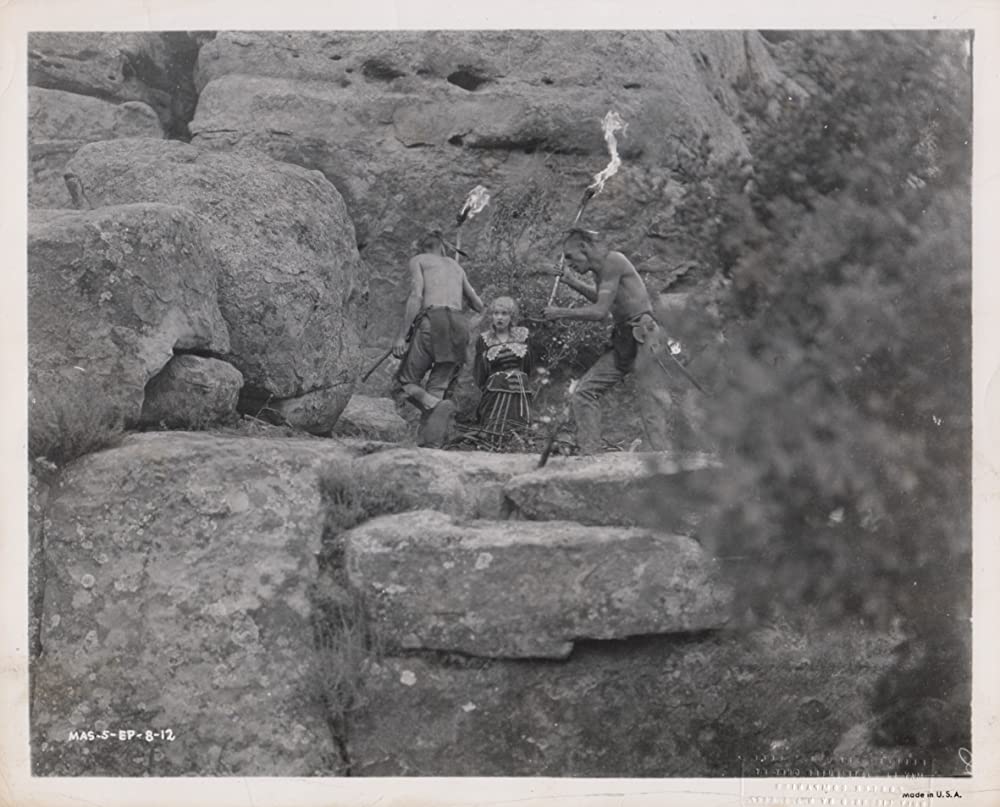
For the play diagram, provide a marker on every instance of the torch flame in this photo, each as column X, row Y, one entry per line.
column 477, row 199
column 612, row 123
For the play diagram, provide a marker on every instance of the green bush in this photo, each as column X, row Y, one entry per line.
column 844, row 293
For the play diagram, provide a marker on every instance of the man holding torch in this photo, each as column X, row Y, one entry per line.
column 637, row 341
column 433, row 335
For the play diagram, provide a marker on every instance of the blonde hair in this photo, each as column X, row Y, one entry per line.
column 507, row 304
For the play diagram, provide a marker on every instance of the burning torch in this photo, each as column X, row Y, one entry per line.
column 477, row 199
column 612, row 123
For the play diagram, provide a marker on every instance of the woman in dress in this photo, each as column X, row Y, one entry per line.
column 502, row 365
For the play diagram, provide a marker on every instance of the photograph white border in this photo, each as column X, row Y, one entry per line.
column 17, row 787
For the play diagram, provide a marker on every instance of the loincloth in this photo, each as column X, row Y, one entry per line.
column 623, row 338
column 438, row 335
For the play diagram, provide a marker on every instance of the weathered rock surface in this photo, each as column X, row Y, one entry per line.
column 462, row 483
column 38, row 496
column 650, row 489
column 153, row 67
column 521, row 589
column 191, row 393
column 406, row 123
column 59, row 123
column 664, row 706
column 375, row 418
column 317, row 412
column 178, row 568
column 290, row 283
column 111, row 294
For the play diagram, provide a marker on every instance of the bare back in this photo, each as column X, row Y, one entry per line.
column 443, row 280
column 631, row 298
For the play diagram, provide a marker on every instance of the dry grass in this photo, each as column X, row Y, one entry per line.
column 351, row 496
column 70, row 422
column 344, row 648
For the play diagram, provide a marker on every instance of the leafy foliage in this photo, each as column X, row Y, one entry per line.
column 843, row 288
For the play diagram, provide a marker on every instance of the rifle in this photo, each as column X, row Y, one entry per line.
column 376, row 365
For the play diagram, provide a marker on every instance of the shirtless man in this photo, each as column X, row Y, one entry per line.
column 433, row 335
column 635, row 341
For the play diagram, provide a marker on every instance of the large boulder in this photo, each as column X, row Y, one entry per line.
column 654, row 489
column 665, row 706
column 177, row 598
column 153, row 67
column 291, row 281
column 524, row 589
column 111, row 294
column 59, row 123
column 192, row 392
column 406, row 123
column 462, row 483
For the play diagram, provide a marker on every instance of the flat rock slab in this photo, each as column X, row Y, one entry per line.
column 705, row 706
column 524, row 589
column 649, row 489
column 462, row 483
column 177, row 576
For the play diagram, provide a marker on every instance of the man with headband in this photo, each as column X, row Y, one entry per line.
column 636, row 342
column 433, row 335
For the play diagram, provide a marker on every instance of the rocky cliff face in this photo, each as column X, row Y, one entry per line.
column 401, row 125
column 405, row 124
column 155, row 68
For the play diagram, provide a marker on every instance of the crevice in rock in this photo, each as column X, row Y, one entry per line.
column 201, row 353
column 526, row 145
column 343, row 637
column 378, row 70
column 256, row 402
column 178, row 84
column 468, row 79
column 580, row 647
column 456, row 140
